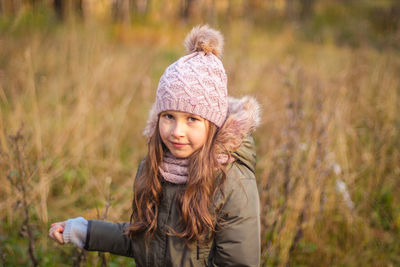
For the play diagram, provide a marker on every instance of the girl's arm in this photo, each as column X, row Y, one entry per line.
column 93, row 235
column 237, row 239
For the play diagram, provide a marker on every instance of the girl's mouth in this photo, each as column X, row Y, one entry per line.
column 178, row 145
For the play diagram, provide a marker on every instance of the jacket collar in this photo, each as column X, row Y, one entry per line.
column 243, row 118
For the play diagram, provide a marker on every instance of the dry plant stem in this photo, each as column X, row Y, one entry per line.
column 81, row 258
column 292, row 181
column 19, row 183
column 3, row 257
column 108, row 200
column 295, row 116
column 103, row 259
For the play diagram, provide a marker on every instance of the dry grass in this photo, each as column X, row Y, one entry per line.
column 328, row 148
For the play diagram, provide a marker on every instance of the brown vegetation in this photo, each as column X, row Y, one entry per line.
column 328, row 147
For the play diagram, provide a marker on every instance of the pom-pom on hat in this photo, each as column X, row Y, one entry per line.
column 196, row 83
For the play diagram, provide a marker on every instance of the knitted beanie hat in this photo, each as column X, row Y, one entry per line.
column 196, row 83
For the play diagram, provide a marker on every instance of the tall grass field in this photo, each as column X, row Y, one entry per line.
column 74, row 100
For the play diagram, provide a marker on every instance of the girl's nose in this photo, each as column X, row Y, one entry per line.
column 178, row 130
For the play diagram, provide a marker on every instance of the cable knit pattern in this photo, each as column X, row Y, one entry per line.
column 175, row 170
column 195, row 84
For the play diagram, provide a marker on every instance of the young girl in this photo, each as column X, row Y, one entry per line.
column 195, row 197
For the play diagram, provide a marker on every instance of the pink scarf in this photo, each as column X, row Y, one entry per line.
column 176, row 171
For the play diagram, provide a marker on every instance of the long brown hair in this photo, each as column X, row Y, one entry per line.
column 195, row 202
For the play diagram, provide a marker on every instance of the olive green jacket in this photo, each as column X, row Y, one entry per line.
column 235, row 243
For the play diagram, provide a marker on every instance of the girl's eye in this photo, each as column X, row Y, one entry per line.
column 192, row 119
column 168, row 116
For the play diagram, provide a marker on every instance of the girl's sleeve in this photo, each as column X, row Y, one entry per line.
column 237, row 240
column 98, row 236
column 109, row 237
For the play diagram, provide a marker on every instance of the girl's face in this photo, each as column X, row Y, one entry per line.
column 183, row 133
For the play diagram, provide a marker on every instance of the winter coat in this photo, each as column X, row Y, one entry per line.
column 237, row 238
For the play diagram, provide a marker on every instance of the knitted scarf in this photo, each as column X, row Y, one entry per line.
column 175, row 170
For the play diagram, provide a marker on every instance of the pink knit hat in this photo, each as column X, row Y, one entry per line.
column 196, row 83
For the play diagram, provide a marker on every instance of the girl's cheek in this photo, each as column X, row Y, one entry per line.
column 165, row 128
column 163, row 125
column 162, row 131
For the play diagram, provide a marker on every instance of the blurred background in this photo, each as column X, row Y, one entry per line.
column 77, row 78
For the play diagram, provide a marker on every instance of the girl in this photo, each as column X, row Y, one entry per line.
column 195, row 197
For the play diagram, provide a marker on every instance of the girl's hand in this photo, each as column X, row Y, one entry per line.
column 56, row 231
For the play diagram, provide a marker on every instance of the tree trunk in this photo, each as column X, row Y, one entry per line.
column 122, row 11
column 306, row 9
column 186, row 8
column 33, row 3
column 142, row 6
column 59, row 9
column 212, row 13
column 66, row 9
column 10, row 7
column 78, row 7
column 125, row 12
column 290, row 9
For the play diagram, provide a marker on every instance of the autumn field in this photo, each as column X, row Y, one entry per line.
column 74, row 100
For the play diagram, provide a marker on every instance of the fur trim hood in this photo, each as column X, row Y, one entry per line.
column 244, row 116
